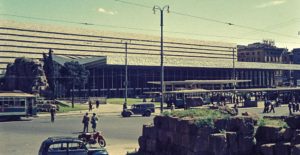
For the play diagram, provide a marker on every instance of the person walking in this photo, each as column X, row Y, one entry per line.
column 90, row 106
column 85, row 121
column 52, row 112
column 97, row 104
column 290, row 108
column 94, row 121
column 272, row 107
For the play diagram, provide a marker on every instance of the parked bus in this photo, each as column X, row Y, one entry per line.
column 14, row 105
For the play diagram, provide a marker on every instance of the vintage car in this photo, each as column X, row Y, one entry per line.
column 46, row 107
column 144, row 109
column 68, row 146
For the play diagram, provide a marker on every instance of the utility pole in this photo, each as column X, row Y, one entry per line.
column 126, row 75
column 234, row 75
column 162, row 87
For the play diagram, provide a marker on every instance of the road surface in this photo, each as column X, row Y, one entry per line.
column 25, row 137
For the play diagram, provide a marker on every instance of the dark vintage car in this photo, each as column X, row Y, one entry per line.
column 144, row 109
column 68, row 146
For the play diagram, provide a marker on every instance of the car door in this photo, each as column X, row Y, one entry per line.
column 58, row 149
column 77, row 148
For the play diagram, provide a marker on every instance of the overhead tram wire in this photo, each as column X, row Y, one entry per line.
column 211, row 20
column 78, row 23
column 134, row 28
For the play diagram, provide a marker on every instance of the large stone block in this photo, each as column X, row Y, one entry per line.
column 242, row 125
column 295, row 150
column 149, row 131
column 150, row 145
column 282, row 149
column 267, row 149
column 172, row 123
column 232, row 142
column 293, row 122
column 218, row 144
column 268, row 134
column 287, row 134
column 183, row 126
column 165, row 137
column 246, row 145
column 158, row 121
column 142, row 143
column 296, row 139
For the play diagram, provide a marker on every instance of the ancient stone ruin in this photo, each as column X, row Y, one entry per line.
column 228, row 136
column 26, row 75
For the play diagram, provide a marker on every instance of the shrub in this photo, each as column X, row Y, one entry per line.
column 272, row 122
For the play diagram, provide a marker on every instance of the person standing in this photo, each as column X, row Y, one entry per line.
column 94, row 121
column 52, row 112
column 85, row 121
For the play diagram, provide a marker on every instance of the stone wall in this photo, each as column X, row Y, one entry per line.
column 170, row 135
column 228, row 136
column 272, row 140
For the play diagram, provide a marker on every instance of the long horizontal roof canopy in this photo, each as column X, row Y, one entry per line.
column 193, row 91
column 15, row 94
column 198, row 82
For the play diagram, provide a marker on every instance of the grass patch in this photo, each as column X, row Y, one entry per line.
column 272, row 122
column 130, row 101
column 204, row 117
column 196, row 113
column 66, row 107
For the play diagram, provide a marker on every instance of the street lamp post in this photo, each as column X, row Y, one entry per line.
column 126, row 76
column 162, row 87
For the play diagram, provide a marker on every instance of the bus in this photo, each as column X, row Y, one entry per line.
column 14, row 105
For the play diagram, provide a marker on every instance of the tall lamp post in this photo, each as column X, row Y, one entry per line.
column 126, row 75
column 162, row 87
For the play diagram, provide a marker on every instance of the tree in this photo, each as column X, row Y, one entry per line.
column 74, row 75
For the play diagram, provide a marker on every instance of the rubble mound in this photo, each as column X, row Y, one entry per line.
column 26, row 75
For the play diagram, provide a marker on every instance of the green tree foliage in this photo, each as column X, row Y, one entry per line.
column 74, row 75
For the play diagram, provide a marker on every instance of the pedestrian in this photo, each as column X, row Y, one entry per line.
column 290, row 108
column 265, row 107
column 52, row 112
column 97, row 104
column 236, row 108
column 172, row 106
column 90, row 106
column 272, row 107
column 94, row 121
column 297, row 107
column 294, row 107
column 85, row 121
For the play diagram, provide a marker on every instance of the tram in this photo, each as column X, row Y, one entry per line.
column 14, row 105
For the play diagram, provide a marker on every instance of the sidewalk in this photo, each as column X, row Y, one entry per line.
column 104, row 109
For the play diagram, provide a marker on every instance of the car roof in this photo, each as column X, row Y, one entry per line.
column 62, row 139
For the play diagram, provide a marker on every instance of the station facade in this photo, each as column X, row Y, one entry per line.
column 103, row 54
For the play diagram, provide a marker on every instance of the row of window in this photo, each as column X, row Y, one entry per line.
column 12, row 102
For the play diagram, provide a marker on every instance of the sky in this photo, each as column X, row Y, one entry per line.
column 250, row 20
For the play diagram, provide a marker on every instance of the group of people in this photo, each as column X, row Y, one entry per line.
column 91, row 105
column 86, row 120
column 269, row 106
column 293, row 107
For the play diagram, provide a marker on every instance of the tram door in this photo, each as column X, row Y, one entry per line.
column 31, row 108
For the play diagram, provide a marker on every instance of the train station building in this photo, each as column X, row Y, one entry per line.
column 103, row 54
